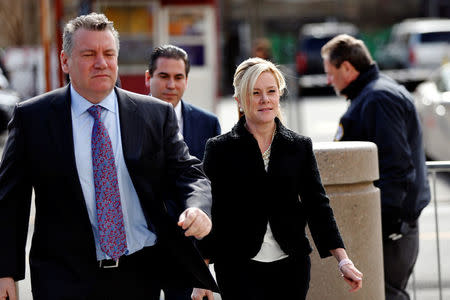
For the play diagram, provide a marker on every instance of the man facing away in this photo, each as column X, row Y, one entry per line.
column 166, row 78
column 381, row 111
column 99, row 160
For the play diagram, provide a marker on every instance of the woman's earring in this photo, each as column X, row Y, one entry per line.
column 241, row 109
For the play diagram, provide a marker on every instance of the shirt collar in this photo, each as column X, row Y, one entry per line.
column 80, row 104
column 178, row 111
column 177, row 108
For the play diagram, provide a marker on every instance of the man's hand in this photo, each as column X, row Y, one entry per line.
column 195, row 222
column 199, row 294
column 7, row 289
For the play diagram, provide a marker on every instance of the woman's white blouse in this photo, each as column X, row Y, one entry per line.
column 270, row 250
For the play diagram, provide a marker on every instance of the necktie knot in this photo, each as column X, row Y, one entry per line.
column 95, row 111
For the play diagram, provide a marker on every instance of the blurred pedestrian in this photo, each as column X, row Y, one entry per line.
column 382, row 111
column 258, row 171
column 262, row 48
column 167, row 78
column 99, row 159
column 4, row 73
column 4, row 70
column 4, row 84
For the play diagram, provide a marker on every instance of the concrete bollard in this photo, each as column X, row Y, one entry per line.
column 348, row 170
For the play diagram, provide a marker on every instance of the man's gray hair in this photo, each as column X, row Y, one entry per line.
column 93, row 21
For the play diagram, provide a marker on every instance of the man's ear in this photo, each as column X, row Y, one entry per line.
column 350, row 72
column 64, row 62
column 347, row 66
column 147, row 79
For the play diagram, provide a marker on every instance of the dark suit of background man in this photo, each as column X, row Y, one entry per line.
column 381, row 111
column 49, row 150
column 166, row 78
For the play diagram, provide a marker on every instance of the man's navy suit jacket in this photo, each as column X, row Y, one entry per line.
column 39, row 155
column 198, row 126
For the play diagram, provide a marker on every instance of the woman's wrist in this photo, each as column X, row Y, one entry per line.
column 344, row 262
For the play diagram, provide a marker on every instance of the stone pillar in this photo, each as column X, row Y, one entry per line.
column 348, row 170
column 17, row 290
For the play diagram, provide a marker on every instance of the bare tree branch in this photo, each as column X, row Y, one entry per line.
column 11, row 21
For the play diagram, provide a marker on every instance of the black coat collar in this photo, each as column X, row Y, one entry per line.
column 355, row 87
column 239, row 130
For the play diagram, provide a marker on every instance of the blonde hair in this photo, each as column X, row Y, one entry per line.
column 246, row 75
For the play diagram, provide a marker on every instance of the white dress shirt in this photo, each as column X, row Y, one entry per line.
column 179, row 114
column 137, row 233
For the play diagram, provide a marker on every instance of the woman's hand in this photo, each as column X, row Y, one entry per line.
column 199, row 294
column 348, row 270
column 352, row 276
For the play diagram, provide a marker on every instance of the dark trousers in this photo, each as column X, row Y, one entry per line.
column 251, row 280
column 399, row 259
column 177, row 293
column 136, row 277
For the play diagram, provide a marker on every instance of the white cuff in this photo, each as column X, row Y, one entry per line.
column 344, row 262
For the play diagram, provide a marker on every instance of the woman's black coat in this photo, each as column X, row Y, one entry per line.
column 246, row 197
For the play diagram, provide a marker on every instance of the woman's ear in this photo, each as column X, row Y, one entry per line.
column 240, row 108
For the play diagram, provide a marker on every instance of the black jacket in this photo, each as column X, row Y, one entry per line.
column 382, row 112
column 39, row 154
column 246, row 197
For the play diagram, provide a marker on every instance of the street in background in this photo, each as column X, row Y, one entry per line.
column 432, row 99
column 417, row 43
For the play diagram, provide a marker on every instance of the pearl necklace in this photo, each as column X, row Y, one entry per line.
column 266, row 154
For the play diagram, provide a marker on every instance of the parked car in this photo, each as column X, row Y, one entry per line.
column 416, row 43
column 432, row 99
column 312, row 37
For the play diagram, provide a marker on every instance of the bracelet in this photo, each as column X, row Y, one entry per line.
column 344, row 262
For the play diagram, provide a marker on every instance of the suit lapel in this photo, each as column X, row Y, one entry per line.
column 60, row 127
column 131, row 127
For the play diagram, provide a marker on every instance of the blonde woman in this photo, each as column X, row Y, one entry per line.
column 258, row 171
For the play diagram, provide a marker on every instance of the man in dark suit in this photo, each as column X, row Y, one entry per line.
column 99, row 160
column 166, row 78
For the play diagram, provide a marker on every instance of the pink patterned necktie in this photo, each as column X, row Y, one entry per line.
column 109, row 210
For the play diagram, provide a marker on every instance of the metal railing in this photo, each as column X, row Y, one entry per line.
column 435, row 167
